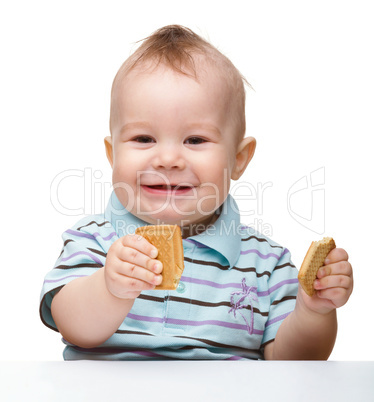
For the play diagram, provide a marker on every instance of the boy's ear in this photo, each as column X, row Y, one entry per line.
column 109, row 149
column 244, row 154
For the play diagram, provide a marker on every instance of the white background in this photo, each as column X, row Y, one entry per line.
column 311, row 65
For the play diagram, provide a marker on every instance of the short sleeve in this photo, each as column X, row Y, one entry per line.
column 283, row 286
column 83, row 253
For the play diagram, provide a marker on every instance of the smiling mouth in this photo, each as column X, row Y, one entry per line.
column 163, row 188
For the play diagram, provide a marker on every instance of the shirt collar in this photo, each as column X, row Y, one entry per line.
column 223, row 236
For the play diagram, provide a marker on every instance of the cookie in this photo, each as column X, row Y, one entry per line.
column 168, row 240
column 313, row 261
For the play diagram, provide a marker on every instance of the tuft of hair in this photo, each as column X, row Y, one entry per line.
column 173, row 46
column 179, row 48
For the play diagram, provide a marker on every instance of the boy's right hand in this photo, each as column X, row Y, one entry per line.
column 130, row 267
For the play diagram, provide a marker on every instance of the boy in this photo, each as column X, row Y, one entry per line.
column 177, row 138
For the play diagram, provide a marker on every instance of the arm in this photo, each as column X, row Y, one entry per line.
column 88, row 310
column 309, row 332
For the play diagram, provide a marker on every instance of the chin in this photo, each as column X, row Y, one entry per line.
column 176, row 215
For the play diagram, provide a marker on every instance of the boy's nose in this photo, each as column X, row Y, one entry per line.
column 168, row 158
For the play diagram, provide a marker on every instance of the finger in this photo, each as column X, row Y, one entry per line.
column 337, row 296
column 139, row 273
column 338, row 268
column 125, row 271
column 137, row 250
column 123, row 286
column 335, row 255
column 141, row 244
column 333, row 281
column 137, row 258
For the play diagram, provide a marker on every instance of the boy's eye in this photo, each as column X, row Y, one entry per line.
column 195, row 140
column 143, row 139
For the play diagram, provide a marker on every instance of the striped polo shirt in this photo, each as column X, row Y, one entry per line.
column 236, row 289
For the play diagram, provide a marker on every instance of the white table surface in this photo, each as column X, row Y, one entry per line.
column 252, row 381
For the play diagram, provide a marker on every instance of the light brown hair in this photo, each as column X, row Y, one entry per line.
column 179, row 48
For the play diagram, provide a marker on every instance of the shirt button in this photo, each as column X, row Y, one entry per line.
column 181, row 288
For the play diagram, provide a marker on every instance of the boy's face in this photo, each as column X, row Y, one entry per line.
column 173, row 147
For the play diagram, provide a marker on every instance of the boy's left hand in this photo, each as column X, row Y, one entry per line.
column 334, row 283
